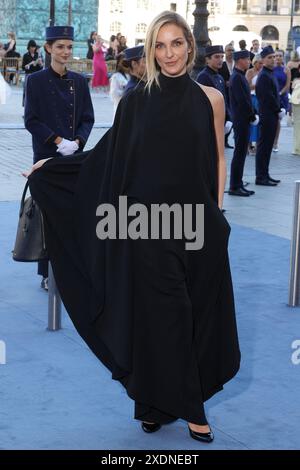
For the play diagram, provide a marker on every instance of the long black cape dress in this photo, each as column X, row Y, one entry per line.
column 159, row 317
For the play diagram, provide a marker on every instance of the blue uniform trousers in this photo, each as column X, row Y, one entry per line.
column 267, row 132
column 241, row 139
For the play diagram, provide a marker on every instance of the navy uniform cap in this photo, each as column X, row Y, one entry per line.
column 241, row 55
column 134, row 53
column 210, row 50
column 267, row 51
column 59, row 32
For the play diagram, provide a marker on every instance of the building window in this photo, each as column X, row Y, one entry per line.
column 214, row 7
column 297, row 6
column 173, row 6
column 241, row 6
column 116, row 6
column 240, row 27
column 272, row 6
column 296, row 30
column 269, row 33
column 143, row 4
column 115, row 27
column 141, row 28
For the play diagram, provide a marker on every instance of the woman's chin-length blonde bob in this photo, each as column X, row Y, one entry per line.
column 152, row 67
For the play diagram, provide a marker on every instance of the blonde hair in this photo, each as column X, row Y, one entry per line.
column 256, row 58
column 166, row 17
column 12, row 35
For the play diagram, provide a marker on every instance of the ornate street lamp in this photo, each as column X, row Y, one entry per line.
column 51, row 22
column 70, row 13
column 52, row 13
column 290, row 44
column 201, row 15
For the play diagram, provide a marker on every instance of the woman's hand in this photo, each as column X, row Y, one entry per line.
column 37, row 165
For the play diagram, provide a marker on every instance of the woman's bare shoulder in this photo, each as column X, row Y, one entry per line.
column 215, row 96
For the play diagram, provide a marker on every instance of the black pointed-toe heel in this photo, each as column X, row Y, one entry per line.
column 150, row 427
column 202, row 436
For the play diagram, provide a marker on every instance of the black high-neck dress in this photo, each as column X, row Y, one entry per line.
column 159, row 317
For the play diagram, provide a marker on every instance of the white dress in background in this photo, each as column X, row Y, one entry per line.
column 253, row 82
column 118, row 84
column 4, row 90
column 295, row 101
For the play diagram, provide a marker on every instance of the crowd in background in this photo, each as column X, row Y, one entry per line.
column 287, row 73
column 99, row 53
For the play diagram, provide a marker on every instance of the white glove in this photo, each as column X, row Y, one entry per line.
column 67, row 147
column 256, row 121
column 227, row 127
column 282, row 113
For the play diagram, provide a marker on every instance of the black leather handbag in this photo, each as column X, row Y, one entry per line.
column 30, row 240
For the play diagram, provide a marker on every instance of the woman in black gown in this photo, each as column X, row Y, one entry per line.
column 161, row 318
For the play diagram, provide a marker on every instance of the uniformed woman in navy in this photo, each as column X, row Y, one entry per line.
column 58, row 108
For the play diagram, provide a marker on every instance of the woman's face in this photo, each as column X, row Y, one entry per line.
column 279, row 58
column 171, row 50
column 259, row 65
column 61, row 51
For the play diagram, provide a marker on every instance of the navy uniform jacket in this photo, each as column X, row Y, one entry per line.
column 267, row 92
column 209, row 77
column 225, row 73
column 240, row 97
column 57, row 106
column 132, row 83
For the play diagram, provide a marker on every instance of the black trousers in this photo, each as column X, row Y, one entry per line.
column 241, row 139
column 227, row 136
column 267, row 132
column 43, row 268
column 153, row 415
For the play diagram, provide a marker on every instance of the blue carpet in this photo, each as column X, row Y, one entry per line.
column 54, row 394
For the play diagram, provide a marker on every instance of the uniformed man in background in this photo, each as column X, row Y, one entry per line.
column 210, row 76
column 267, row 92
column 242, row 114
column 58, row 108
